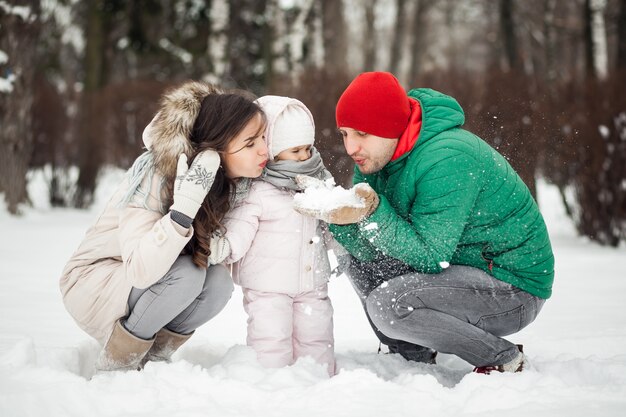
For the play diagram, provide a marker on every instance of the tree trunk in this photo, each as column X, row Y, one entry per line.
column 334, row 35
column 369, row 40
column 621, row 37
column 218, row 40
column 316, row 28
column 20, row 30
column 590, row 69
column 278, row 64
column 297, row 37
column 90, row 121
column 248, row 45
column 596, row 62
column 598, row 36
column 549, row 44
column 398, row 37
column 416, row 41
column 507, row 27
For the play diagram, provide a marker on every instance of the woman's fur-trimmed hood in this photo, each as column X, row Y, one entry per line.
column 167, row 135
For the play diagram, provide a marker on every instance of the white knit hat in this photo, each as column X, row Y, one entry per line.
column 292, row 127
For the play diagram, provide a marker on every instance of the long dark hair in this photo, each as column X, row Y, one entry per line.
column 221, row 118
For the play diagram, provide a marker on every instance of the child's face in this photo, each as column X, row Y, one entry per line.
column 297, row 153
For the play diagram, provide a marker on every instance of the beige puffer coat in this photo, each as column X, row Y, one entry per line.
column 135, row 245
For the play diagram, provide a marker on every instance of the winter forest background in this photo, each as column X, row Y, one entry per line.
column 543, row 81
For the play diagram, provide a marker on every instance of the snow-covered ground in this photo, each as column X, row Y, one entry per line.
column 577, row 346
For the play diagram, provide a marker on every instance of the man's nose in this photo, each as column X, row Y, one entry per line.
column 351, row 144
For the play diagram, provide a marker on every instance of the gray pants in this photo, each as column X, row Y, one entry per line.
column 184, row 299
column 463, row 311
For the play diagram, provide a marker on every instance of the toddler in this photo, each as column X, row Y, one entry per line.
column 280, row 256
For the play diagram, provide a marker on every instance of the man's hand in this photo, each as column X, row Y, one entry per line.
column 369, row 196
column 347, row 214
column 220, row 249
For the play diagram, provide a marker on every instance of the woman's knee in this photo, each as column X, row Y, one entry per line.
column 186, row 276
column 218, row 282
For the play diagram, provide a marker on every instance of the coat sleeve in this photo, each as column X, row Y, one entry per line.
column 445, row 197
column 149, row 241
column 242, row 224
column 350, row 237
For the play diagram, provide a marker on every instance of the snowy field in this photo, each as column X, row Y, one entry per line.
column 577, row 346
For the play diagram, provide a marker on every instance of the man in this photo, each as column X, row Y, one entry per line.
column 450, row 252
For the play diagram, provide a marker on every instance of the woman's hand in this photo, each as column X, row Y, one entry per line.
column 193, row 183
column 220, row 249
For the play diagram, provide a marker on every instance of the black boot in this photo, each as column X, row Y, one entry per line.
column 408, row 350
column 415, row 353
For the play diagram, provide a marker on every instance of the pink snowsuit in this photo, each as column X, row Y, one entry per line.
column 281, row 263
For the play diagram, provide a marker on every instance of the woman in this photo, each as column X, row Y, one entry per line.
column 139, row 282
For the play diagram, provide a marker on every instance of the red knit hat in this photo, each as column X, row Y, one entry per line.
column 375, row 103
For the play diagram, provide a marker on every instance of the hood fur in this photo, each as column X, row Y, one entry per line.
column 167, row 135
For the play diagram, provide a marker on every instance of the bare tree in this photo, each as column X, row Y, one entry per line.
column 418, row 31
column 218, row 39
column 370, row 36
column 599, row 38
column 20, row 27
column 249, row 50
column 507, row 29
column 296, row 37
column 621, row 36
column 595, row 39
column 398, row 37
column 334, row 34
column 549, row 43
column 90, row 154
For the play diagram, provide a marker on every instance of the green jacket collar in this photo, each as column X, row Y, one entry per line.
column 440, row 112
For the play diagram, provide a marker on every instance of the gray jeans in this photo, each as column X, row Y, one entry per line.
column 184, row 299
column 463, row 311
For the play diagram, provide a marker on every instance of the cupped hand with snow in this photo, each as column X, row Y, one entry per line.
column 337, row 205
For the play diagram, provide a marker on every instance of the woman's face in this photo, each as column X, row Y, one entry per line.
column 246, row 154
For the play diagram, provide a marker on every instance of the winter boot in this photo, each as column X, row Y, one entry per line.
column 412, row 352
column 123, row 351
column 166, row 342
column 516, row 365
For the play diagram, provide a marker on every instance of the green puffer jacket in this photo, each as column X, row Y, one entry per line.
column 453, row 200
